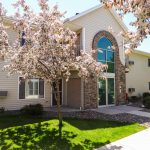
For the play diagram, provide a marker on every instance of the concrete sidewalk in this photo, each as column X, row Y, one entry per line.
column 138, row 141
column 112, row 110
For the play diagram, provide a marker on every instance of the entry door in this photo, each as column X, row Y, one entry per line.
column 111, row 91
column 106, row 92
column 102, row 92
column 54, row 102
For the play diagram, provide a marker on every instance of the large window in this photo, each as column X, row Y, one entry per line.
column 31, row 88
column 106, row 55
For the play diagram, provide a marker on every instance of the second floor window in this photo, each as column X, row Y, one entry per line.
column 106, row 56
column 22, row 41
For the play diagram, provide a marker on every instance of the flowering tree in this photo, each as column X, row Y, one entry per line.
column 4, row 44
column 141, row 11
column 45, row 48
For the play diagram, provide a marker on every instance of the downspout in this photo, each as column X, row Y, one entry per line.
column 83, row 39
column 82, row 80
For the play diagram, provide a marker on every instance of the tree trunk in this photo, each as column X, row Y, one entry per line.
column 59, row 113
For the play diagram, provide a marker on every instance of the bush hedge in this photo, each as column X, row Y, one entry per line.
column 146, row 94
column 133, row 99
column 36, row 109
column 146, row 101
column 2, row 109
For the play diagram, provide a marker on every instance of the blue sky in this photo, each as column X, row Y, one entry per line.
column 72, row 7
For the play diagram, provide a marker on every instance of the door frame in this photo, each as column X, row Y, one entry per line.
column 108, row 75
column 62, row 94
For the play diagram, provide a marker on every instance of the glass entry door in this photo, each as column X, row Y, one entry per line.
column 106, row 92
column 102, row 92
column 110, row 91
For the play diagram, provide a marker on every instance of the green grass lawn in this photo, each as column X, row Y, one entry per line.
column 35, row 133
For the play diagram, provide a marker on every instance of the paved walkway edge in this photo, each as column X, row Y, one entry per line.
column 137, row 141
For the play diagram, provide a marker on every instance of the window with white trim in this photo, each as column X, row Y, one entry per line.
column 31, row 88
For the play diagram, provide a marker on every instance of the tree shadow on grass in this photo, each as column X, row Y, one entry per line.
column 91, row 124
column 7, row 120
column 43, row 136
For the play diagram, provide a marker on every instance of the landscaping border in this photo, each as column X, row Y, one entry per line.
column 89, row 114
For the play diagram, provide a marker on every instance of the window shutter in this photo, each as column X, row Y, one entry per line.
column 149, row 62
column 21, row 88
column 41, row 88
column 22, row 39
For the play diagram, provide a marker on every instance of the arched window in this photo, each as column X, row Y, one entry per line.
column 106, row 54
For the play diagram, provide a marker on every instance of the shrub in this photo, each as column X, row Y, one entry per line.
column 36, row 109
column 133, row 99
column 2, row 109
column 146, row 94
column 146, row 102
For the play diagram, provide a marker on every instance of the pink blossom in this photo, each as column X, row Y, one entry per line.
column 141, row 10
column 49, row 48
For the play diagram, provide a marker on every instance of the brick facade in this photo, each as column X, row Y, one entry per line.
column 90, row 87
column 90, row 93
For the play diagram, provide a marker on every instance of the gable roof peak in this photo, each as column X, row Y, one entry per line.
column 111, row 10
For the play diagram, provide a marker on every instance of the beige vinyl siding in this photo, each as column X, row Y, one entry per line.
column 12, row 35
column 11, row 84
column 93, row 22
column 96, row 21
column 139, row 74
column 12, row 101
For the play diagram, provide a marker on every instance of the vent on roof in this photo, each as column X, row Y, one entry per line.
column 77, row 13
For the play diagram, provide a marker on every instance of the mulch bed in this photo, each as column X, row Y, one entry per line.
column 123, row 117
column 90, row 114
